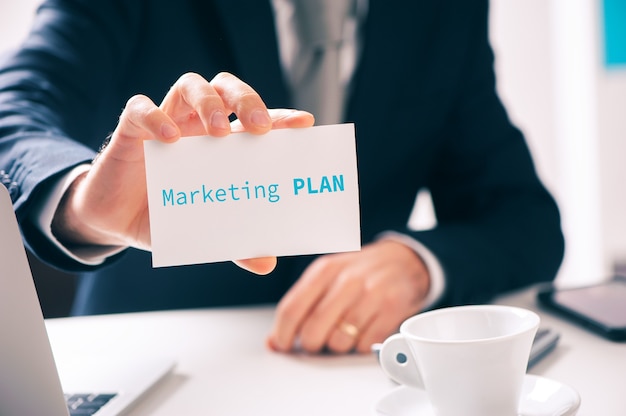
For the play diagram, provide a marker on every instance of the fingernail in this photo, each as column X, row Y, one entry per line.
column 261, row 118
column 220, row 121
column 168, row 130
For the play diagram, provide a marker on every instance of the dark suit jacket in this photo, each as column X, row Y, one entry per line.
column 424, row 104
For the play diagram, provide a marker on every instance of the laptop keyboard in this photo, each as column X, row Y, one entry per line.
column 86, row 404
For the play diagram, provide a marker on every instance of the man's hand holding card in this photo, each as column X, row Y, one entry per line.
column 288, row 192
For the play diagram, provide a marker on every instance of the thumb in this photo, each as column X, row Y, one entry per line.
column 261, row 265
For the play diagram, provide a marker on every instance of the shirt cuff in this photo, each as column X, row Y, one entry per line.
column 437, row 278
column 44, row 208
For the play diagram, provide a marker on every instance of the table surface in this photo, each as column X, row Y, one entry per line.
column 224, row 368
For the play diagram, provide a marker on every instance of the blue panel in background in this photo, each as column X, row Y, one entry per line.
column 614, row 33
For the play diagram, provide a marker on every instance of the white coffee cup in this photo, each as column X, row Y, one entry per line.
column 470, row 360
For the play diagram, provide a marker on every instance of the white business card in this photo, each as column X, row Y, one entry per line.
column 287, row 192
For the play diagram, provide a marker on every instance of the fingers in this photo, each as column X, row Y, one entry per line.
column 282, row 118
column 196, row 107
column 287, row 118
column 298, row 303
column 108, row 206
column 193, row 106
column 245, row 102
column 377, row 331
column 354, row 328
column 326, row 316
column 375, row 316
column 347, row 302
column 140, row 120
column 116, row 178
column 200, row 107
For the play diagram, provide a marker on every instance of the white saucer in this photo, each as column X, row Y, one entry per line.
column 540, row 397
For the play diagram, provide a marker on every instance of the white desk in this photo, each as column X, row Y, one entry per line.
column 224, row 367
column 595, row 367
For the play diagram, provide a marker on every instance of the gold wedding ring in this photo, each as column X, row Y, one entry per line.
column 349, row 329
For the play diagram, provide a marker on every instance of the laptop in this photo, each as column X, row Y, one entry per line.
column 29, row 381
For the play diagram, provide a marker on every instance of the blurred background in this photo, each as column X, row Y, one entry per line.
column 561, row 67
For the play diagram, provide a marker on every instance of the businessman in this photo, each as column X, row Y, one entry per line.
column 417, row 80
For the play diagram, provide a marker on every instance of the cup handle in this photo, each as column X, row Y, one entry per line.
column 398, row 363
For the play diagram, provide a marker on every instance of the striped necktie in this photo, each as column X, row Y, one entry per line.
column 319, row 26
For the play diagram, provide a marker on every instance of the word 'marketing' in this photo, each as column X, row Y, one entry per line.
column 247, row 191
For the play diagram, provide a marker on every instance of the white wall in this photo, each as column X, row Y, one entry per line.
column 611, row 86
column 571, row 109
column 15, row 21
column 520, row 30
column 552, row 78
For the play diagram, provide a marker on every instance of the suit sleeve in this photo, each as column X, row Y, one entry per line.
column 498, row 227
column 49, row 89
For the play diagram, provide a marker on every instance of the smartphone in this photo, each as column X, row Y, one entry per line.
column 600, row 308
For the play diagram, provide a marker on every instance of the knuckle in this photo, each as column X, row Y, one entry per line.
column 223, row 76
column 287, row 311
column 247, row 95
column 246, row 100
column 322, row 264
column 352, row 283
column 310, row 344
column 317, row 316
column 312, row 337
column 187, row 82
column 209, row 103
column 136, row 101
column 365, row 345
column 140, row 107
column 338, row 346
column 152, row 115
column 188, row 77
column 389, row 302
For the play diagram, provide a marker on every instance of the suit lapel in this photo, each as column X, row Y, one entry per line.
column 250, row 28
column 395, row 36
